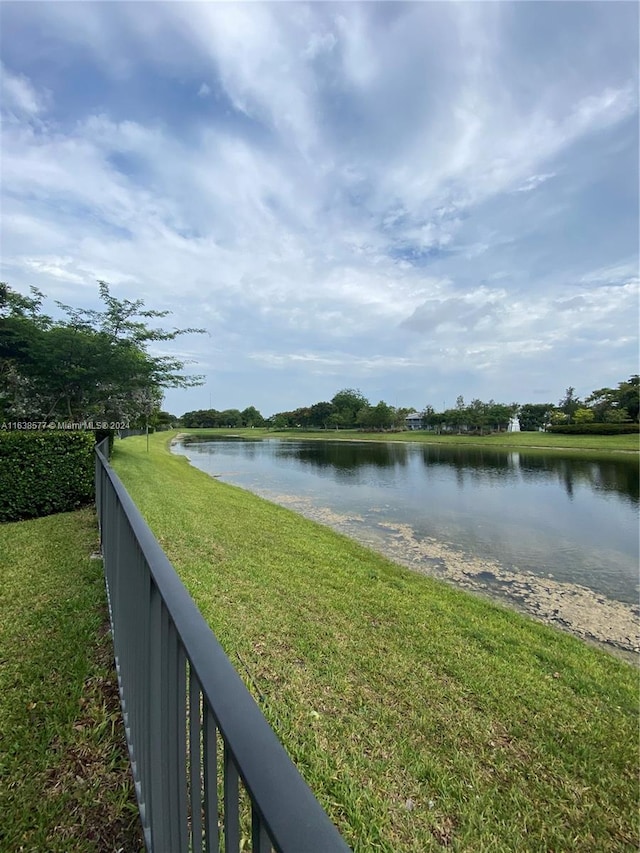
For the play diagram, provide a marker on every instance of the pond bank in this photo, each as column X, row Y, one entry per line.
column 415, row 711
column 605, row 445
column 584, row 613
column 554, row 539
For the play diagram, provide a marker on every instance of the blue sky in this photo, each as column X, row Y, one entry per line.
column 419, row 200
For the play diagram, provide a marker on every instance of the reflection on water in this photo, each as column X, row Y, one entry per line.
column 573, row 519
column 487, row 465
column 347, row 457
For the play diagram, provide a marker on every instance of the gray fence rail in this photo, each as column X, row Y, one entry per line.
column 196, row 736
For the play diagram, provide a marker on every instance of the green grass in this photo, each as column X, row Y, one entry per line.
column 533, row 441
column 421, row 717
column 65, row 783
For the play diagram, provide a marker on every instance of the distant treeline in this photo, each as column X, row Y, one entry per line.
column 212, row 418
column 350, row 409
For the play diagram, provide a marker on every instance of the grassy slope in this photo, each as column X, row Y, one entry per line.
column 64, row 775
column 549, row 442
column 421, row 717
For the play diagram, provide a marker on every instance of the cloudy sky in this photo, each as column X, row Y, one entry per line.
column 419, row 200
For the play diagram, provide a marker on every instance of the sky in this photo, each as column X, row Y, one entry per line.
column 417, row 200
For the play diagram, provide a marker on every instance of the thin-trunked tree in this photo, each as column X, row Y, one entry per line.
column 93, row 365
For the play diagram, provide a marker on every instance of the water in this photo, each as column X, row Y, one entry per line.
column 574, row 520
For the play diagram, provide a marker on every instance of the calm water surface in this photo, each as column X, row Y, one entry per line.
column 575, row 520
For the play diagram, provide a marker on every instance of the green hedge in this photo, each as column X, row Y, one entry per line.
column 595, row 429
column 45, row 472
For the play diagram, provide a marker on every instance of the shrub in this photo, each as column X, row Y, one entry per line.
column 595, row 429
column 101, row 434
column 45, row 472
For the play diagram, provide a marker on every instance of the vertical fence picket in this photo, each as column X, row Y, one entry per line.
column 181, row 750
column 155, row 720
column 144, row 694
column 172, row 765
column 212, row 834
column 163, row 745
column 195, row 762
column 260, row 842
column 231, row 804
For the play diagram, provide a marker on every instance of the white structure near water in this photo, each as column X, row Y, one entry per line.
column 414, row 421
column 514, row 424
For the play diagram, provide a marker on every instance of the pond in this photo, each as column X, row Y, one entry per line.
column 554, row 535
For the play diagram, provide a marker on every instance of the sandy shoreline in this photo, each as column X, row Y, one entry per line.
column 589, row 615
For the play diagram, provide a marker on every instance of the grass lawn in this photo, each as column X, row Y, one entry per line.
column 548, row 442
column 65, row 783
column 423, row 718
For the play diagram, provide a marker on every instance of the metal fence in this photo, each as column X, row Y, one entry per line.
column 125, row 433
column 196, row 736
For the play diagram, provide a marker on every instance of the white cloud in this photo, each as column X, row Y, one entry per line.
column 336, row 228
column 483, row 151
column 56, row 267
column 318, row 44
column 360, row 58
column 18, row 95
column 250, row 47
column 624, row 273
column 534, row 181
column 337, row 362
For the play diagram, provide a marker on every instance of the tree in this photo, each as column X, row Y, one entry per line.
column 320, row 413
column 616, row 416
column 477, row 415
column 302, row 417
column 91, row 365
column 454, row 419
column 201, row 419
column 381, row 416
column 601, row 402
column 279, row 421
column 251, row 417
column 22, row 325
column 430, row 418
column 364, row 418
column 558, row 417
column 347, row 403
column 499, row 415
column 163, row 420
column 570, row 403
column 534, row 416
column 629, row 396
column 583, row 416
column 616, row 405
column 337, row 420
column 231, row 418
